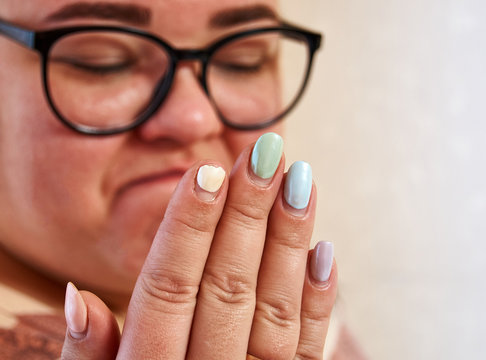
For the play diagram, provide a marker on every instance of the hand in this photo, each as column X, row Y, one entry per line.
column 229, row 274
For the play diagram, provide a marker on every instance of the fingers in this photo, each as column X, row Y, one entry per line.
column 276, row 323
column 226, row 301
column 92, row 331
column 227, row 273
column 161, row 310
column 319, row 295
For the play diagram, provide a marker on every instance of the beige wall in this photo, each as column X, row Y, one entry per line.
column 394, row 126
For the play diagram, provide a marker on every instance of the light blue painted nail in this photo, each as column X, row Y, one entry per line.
column 298, row 185
column 266, row 155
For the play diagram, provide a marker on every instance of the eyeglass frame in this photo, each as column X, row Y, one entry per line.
column 43, row 41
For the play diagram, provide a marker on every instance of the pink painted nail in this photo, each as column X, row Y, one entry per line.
column 76, row 312
column 321, row 261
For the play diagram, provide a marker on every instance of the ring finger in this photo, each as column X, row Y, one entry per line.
column 276, row 324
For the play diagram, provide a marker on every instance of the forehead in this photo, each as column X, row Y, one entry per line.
column 179, row 17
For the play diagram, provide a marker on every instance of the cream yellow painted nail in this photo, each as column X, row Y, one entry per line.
column 210, row 178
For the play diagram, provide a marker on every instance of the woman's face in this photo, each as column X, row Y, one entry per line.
column 86, row 208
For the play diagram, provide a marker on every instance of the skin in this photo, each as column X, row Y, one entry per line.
column 90, row 210
column 75, row 208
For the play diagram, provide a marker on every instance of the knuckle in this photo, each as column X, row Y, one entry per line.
column 248, row 212
column 294, row 241
column 283, row 351
column 230, row 288
column 316, row 316
column 282, row 313
column 195, row 225
column 305, row 356
column 162, row 289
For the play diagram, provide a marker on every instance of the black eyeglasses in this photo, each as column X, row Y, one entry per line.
column 103, row 80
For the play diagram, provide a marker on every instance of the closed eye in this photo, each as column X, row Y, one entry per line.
column 97, row 67
column 239, row 67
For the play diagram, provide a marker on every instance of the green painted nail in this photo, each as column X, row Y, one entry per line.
column 266, row 155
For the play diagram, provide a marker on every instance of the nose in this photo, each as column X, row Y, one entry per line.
column 186, row 115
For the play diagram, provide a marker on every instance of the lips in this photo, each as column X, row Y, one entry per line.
column 157, row 177
column 166, row 176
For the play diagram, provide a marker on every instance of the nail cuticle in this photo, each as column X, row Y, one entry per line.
column 296, row 213
column 258, row 181
column 77, row 335
column 324, row 285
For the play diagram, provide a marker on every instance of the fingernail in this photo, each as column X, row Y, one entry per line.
column 210, row 178
column 298, row 185
column 76, row 312
column 321, row 261
column 266, row 155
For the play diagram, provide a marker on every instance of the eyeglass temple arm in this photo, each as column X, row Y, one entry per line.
column 315, row 39
column 22, row 36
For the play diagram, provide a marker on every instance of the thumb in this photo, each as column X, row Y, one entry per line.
column 92, row 331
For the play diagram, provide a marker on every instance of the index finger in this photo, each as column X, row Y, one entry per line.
column 161, row 310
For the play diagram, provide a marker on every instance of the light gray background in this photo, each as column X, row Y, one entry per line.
column 394, row 126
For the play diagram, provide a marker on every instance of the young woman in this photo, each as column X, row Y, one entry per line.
column 129, row 168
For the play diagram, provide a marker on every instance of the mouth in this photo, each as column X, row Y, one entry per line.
column 171, row 175
column 169, row 178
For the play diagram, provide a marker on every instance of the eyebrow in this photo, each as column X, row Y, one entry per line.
column 237, row 16
column 133, row 14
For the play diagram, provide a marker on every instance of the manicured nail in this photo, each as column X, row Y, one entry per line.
column 210, row 178
column 76, row 312
column 266, row 155
column 321, row 261
column 298, row 185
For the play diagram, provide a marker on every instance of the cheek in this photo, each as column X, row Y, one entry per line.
column 42, row 182
column 71, row 180
column 50, row 177
column 59, row 188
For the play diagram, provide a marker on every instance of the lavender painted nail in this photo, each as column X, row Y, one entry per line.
column 321, row 261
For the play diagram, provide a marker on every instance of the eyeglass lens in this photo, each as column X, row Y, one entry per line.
column 106, row 79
